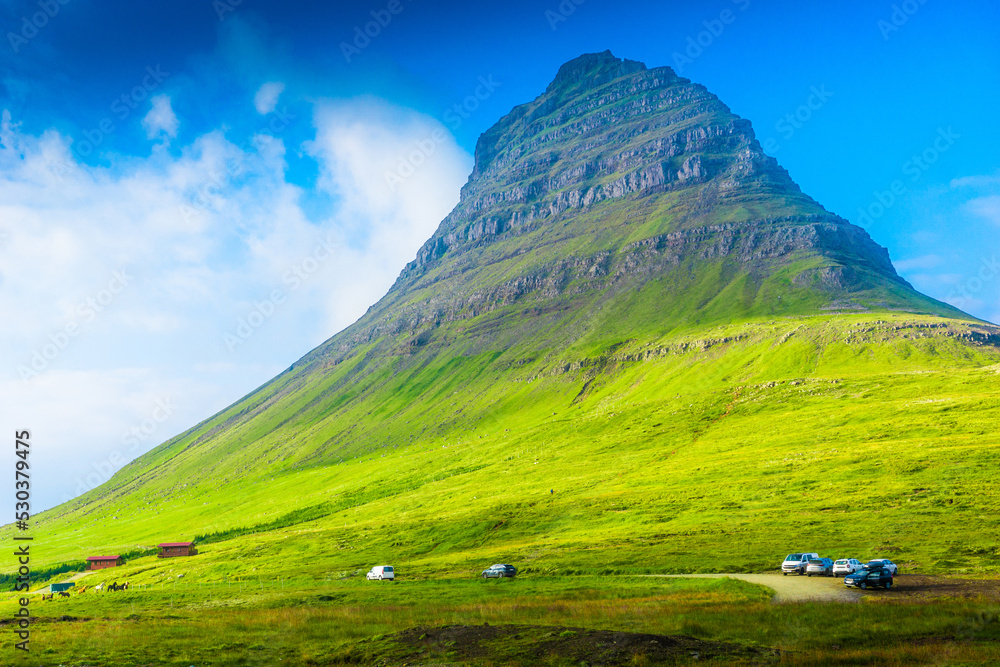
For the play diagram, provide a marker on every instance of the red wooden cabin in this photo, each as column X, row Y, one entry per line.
column 104, row 562
column 175, row 549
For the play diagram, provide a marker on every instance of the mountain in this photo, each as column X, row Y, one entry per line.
column 620, row 179
column 633, row 337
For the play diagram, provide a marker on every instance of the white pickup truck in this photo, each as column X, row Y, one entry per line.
column 796, row 563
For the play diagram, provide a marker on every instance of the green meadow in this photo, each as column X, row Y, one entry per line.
column 718, row 448
column 843, row 434
column 350, row 621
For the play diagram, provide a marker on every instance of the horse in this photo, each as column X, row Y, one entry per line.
column 99, row 587
column 46, row 598
column 63, row 594
column 124, row 586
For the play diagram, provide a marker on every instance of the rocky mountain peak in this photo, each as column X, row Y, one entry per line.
column 593, row 69
column 615, row 179
column 606, row 129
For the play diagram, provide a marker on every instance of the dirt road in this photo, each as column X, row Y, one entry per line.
column 792, row 588
column 76, row 577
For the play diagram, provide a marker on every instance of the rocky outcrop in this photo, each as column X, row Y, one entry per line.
column 746, row 243
column 605, row 129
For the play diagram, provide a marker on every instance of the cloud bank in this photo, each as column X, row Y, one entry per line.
column 129, row 282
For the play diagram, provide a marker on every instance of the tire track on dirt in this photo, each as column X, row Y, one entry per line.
column 788, row 589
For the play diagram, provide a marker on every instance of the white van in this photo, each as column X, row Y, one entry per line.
column 380, row 572
column 797, row 563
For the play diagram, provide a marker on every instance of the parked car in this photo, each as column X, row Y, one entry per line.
column 498, row 571
column 869, row 577
column 820, row 566
column 797, row 563
column 886, row 563
column 380, row 572
column 846, row 566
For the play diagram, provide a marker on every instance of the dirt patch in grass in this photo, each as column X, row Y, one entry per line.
column 44, row 619
column 532, row 645
column 918, row 586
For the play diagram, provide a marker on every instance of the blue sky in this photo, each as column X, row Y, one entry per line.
column 193, row 193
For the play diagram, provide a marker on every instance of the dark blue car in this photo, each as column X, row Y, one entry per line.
column 499, row 571
column 869, row 577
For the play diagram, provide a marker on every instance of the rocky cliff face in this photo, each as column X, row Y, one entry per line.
column 616, row 176
column 606, row 129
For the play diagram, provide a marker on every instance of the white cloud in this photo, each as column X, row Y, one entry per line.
column 985, row 202
column 161, row 118
column 89, row 423
column 923, row 262
column 267, row 96
column 199, row 254
column 982, row 181
column 356, row 145
column 966, row 304
column 986, row 207
column 938, row 281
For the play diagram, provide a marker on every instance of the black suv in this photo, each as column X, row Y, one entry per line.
column 869, row 577
column 499, row 571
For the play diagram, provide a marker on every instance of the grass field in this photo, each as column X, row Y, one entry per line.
column 844, row 435
column 349, row 621
column 713, row 449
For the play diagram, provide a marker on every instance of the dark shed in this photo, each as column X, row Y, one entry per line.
column 175, row 549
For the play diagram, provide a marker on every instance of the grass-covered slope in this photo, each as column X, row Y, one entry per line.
column 717, row 448
column 634, row 343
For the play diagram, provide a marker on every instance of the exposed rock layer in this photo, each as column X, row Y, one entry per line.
column 614, row 177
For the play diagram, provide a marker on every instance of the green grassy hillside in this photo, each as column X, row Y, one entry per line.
column 716, row 448
column 635, row 345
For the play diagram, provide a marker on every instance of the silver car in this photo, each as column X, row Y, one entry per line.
column 885, row 563
column 822, row 567
column 843, row 566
